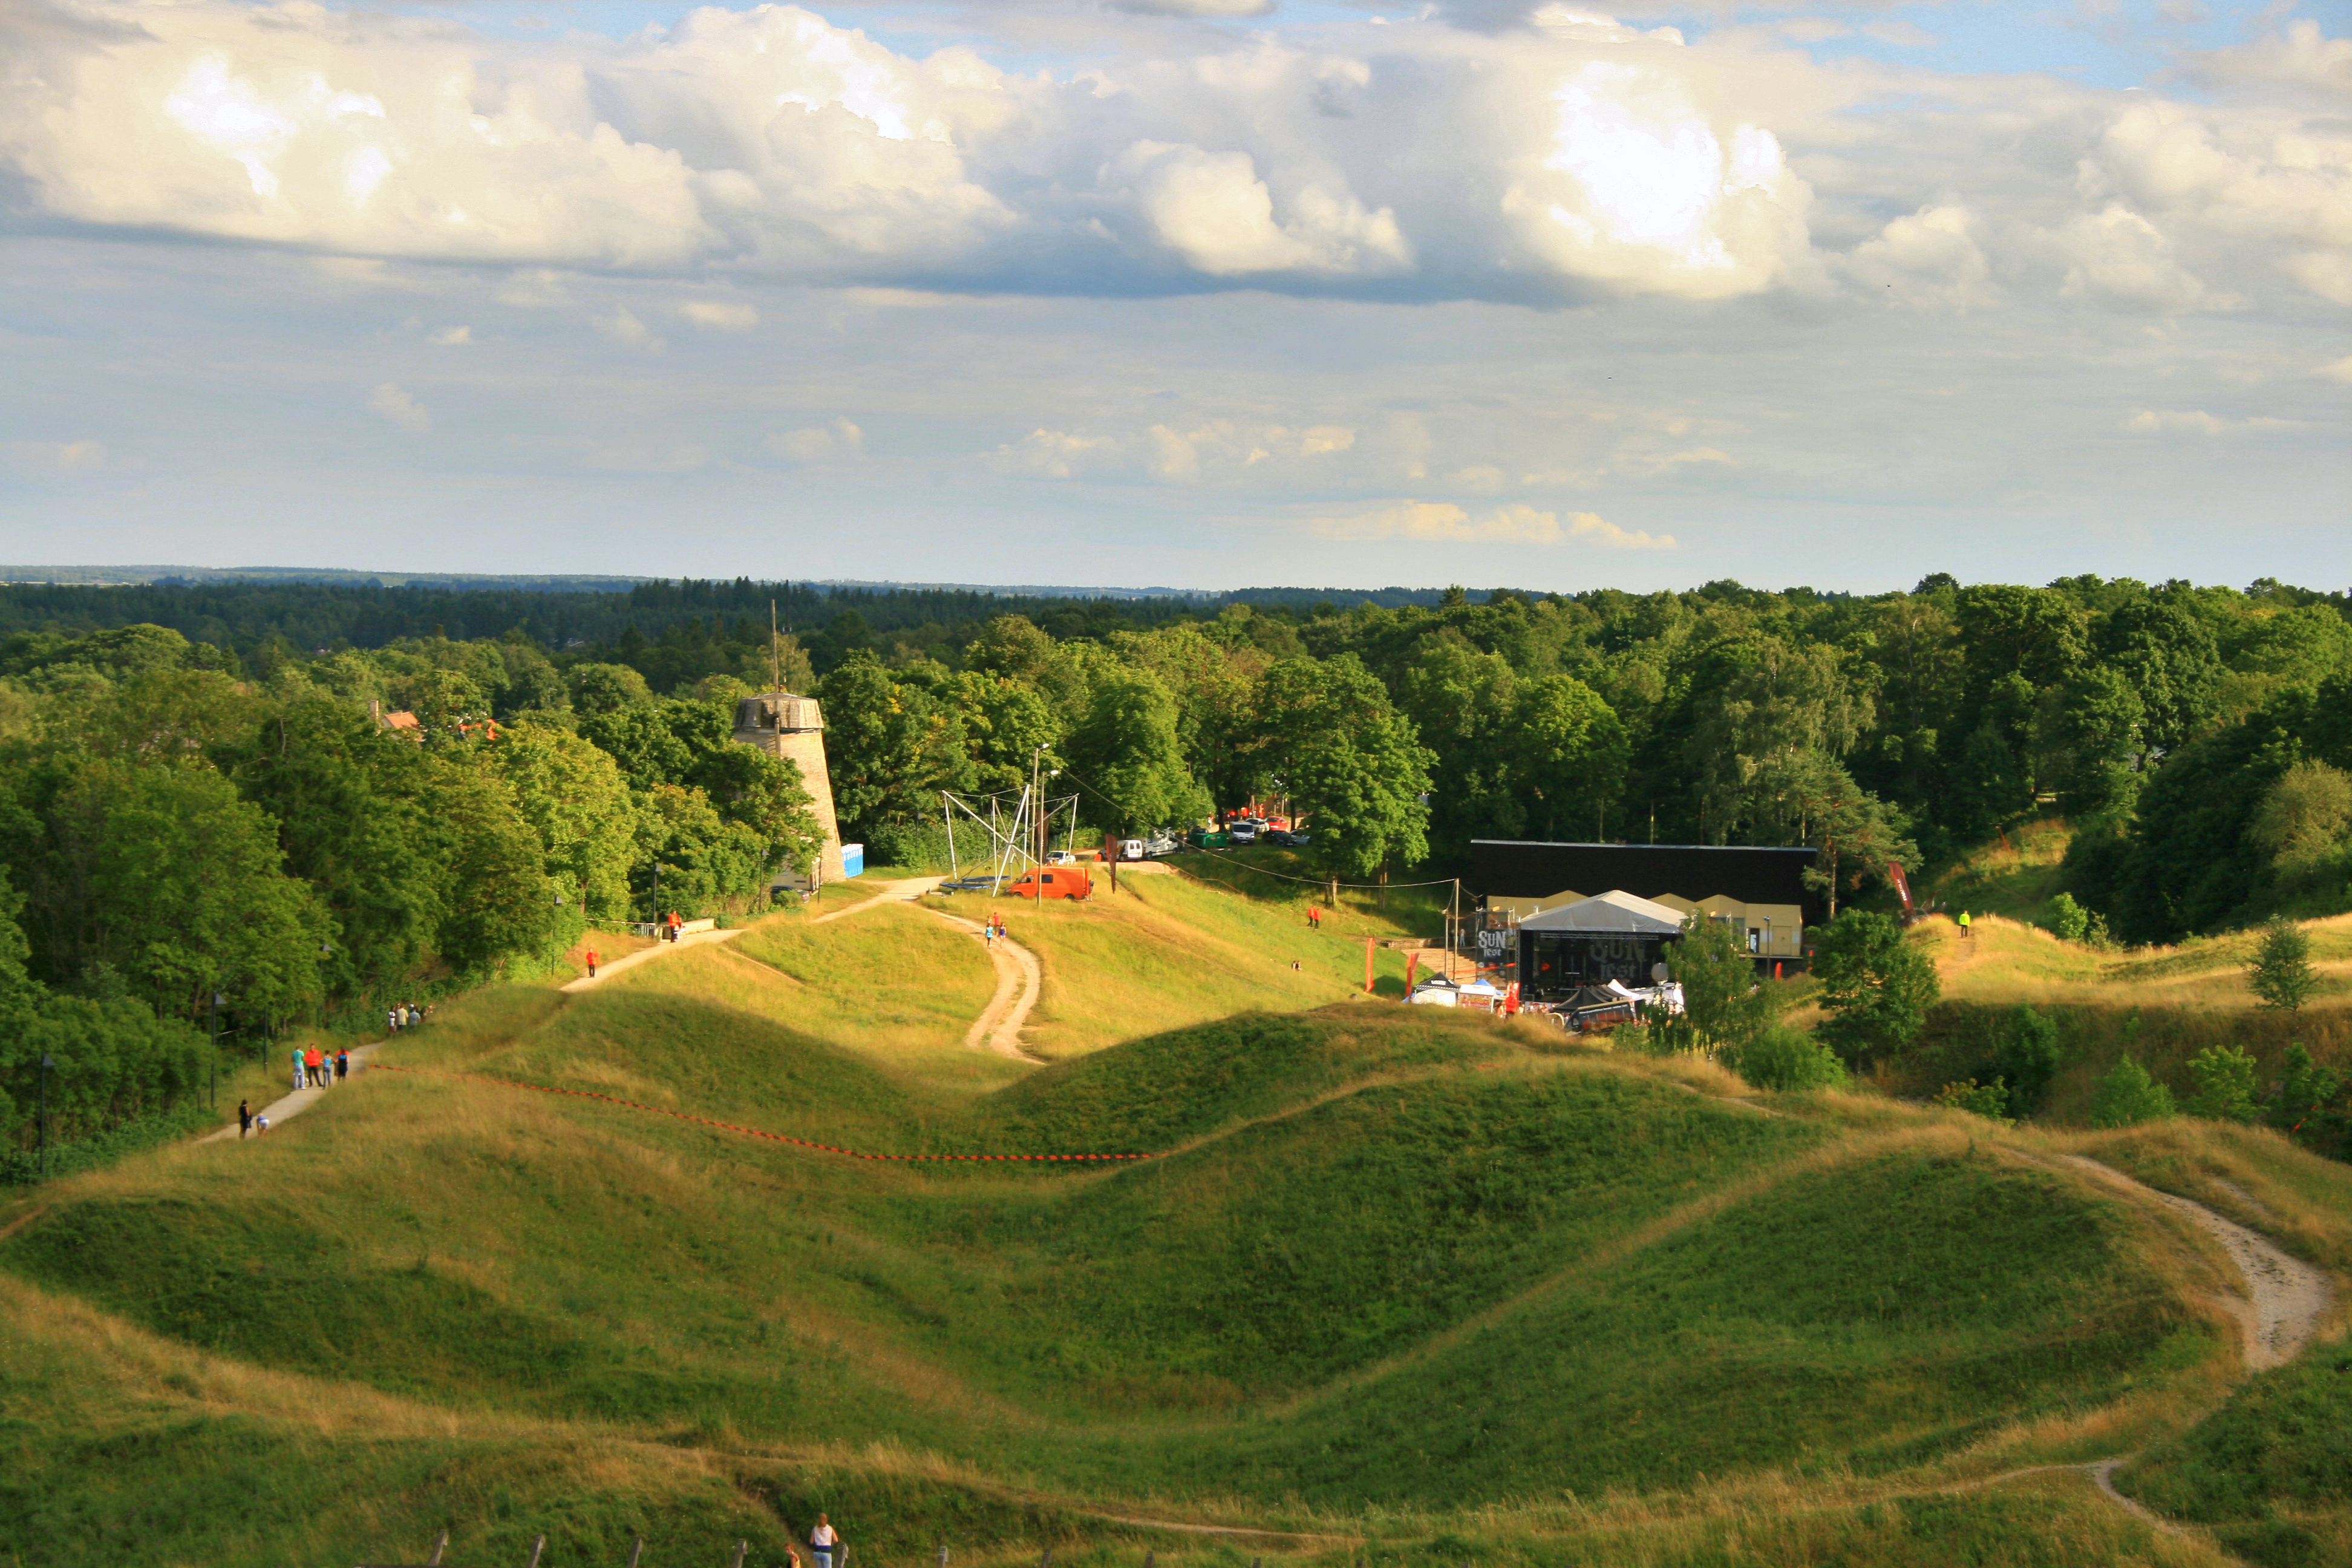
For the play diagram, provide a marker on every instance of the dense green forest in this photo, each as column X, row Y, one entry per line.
column 209, row 808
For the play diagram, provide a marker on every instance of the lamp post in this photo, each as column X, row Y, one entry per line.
column 47, row 1061
column 212, row 1093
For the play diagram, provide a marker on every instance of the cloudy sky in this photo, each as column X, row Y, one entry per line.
column 1196, row 292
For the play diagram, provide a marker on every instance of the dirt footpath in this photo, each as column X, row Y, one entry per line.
column 2285, row 1298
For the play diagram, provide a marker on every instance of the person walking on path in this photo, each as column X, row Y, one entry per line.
column 343, row 1064
column 312, row 1062
column 592, row 963
column 244, row 1120
column 1964, row 925
column 677, row 925
column 298, row 1067
column 823, row 1543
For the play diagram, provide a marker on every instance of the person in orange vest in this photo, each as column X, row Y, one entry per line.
column 673, row 924
column 592, row 963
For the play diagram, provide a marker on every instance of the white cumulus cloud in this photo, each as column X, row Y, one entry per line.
column 59, row 457
column 838, row 441
column 720, row 315
column 624, row 329
column 1515, row 523
column 389, row 402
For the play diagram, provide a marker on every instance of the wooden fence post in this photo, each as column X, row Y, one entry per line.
column 636, row 1550
column 740, row 1548
column 438, row 1547
column 536, row 1548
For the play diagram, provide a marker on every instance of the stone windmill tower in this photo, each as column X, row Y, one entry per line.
column 784, row 725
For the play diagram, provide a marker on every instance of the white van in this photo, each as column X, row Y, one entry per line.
column 1130, row 848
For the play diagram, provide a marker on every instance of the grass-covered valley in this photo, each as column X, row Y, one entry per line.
column 1397, row 1283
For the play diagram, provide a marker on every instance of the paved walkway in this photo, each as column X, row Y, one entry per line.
column 647, row 954
column 295, row 1102
column 904, row 891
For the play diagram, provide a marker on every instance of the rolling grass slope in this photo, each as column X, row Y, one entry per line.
column 1418, row 1264
column 1419, row 1284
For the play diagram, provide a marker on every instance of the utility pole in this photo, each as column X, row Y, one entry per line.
column 1037, row 794
column 775, row 649
column 212, row 1094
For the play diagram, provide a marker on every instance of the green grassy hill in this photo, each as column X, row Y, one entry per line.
column 1406, row 1283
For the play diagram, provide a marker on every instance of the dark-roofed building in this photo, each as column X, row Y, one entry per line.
column 1761, row 891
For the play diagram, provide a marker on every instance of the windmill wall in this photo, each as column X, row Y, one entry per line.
column 784, row 725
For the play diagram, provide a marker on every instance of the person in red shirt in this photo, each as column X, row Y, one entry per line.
column 592, row 963
column 675, row 922
column 311, row 1061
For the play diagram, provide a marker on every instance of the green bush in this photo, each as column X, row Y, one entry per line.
column 1789, row 1060
column 2225, row 1085
column 2028, row 1057
column 2069, row 920
column 2127, row 1096
column 22, row 1167
column 1989, row 1101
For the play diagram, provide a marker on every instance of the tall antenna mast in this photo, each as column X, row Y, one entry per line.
column 775, row 649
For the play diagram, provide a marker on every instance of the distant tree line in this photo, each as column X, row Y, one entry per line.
column 188, row 814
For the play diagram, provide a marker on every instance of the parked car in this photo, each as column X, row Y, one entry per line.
column 1060, row 882
column 1286, row 838
column 1242, row 831
column 1060, row 858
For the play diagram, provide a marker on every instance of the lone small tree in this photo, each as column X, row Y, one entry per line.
column 2225, row 1079
column 1723, row 1007
column 1876, row 986
column 2280, row 971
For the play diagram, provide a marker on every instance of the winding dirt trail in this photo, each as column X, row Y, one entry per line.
column 2279, row 1314
column 2285, row 1298
column 1018, row 981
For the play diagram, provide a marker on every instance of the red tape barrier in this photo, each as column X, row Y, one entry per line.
column 730, row 1126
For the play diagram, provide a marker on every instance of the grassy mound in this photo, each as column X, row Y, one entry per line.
column 2271, row 1471
column 1396, row 1272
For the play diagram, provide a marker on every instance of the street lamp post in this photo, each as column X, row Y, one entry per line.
column 47, row 1061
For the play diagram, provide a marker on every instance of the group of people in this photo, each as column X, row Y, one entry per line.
column 313, row 1068
column 402, row 1015
column 992, row 930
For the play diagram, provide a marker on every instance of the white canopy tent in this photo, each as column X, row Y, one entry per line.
column 1614, row 913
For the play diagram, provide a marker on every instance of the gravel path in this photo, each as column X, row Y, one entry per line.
column 2285, row 1298
column 296, row 1101
column 1018, row 980
column 647, row 954
column 904, row 891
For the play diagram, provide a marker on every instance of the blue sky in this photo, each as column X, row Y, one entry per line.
column 1482, row 290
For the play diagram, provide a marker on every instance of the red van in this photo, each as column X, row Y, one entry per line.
column 1054, row 882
